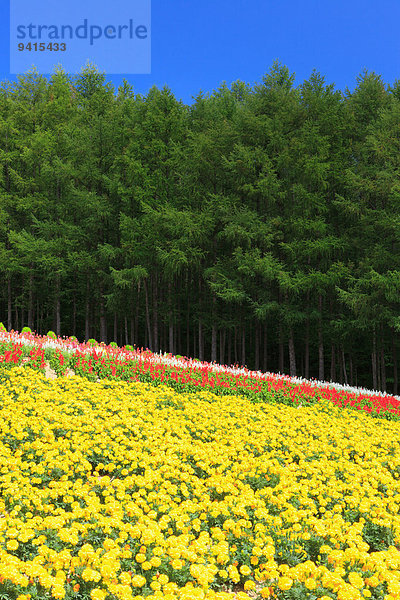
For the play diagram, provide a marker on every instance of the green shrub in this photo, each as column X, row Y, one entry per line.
column 26, row 330
column 2, row 328
column 51, row 335
column 113, row 345
column 129, row 348
column 92, row 342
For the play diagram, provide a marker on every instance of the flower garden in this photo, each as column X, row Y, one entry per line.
column 149, row 476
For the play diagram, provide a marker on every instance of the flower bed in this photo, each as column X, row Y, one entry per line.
column 124, row 491
column 100, row 361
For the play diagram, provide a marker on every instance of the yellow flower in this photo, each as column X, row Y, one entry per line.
column 285, row 583
column 138, row 581
column 140, row 558
column 249, row 585
column 310, row 583
column 356, row 580
column 98, row 594
column 12, row 545
column 245, row 570
column 176, row 564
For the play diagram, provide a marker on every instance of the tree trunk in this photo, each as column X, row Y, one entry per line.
column 9, row 305
column 201, row 343
column 103, row 323
column 383, row 369
column 148, row 324
column 257, row 348
column 137, row 342
column 170, row 321
column 115, row 328
column 292, row 355
column 265, row 349
column 373, row 360
column 281, row 350
column 344, row 368
column 243, row 345
column 378, row 367
column 321, row 365
column 213, row 332
column 235, row 353
column 177, row 326
column 333, row 363
column 222, row 337
column 57, row 307
column 351, row 368
column 126, row 330
column 155, row 315
column 383, row 366
column 74, row 314
column 307, row 351
column 229, row 358
column 30, row 302
column 394, row 355
column 87, row 310
column 188, row 324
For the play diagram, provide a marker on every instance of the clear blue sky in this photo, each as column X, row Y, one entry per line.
column 198, row 44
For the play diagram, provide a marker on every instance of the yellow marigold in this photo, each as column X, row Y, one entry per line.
column 249, row 585
column 356, row 580
column 310, row 583
column 58, row 591
column 12, row 545
column 98, row 594
column 245, row 570
column 138, row 581
column 140, row 558
column 176, row 564
column 372, row 581
column 285, row 583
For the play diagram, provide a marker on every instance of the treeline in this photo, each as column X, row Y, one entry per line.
column 259, row 225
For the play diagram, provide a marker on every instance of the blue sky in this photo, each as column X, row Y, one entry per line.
column 198, row 45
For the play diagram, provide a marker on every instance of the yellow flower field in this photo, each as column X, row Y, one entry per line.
column 124, row 491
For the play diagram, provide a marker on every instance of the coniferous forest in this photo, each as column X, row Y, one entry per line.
column 259, row 225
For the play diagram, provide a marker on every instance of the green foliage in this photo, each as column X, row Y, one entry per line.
column 26, row 330
column 51, row 335
column 378, row 537
column 2, row 328
column 260, row 225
